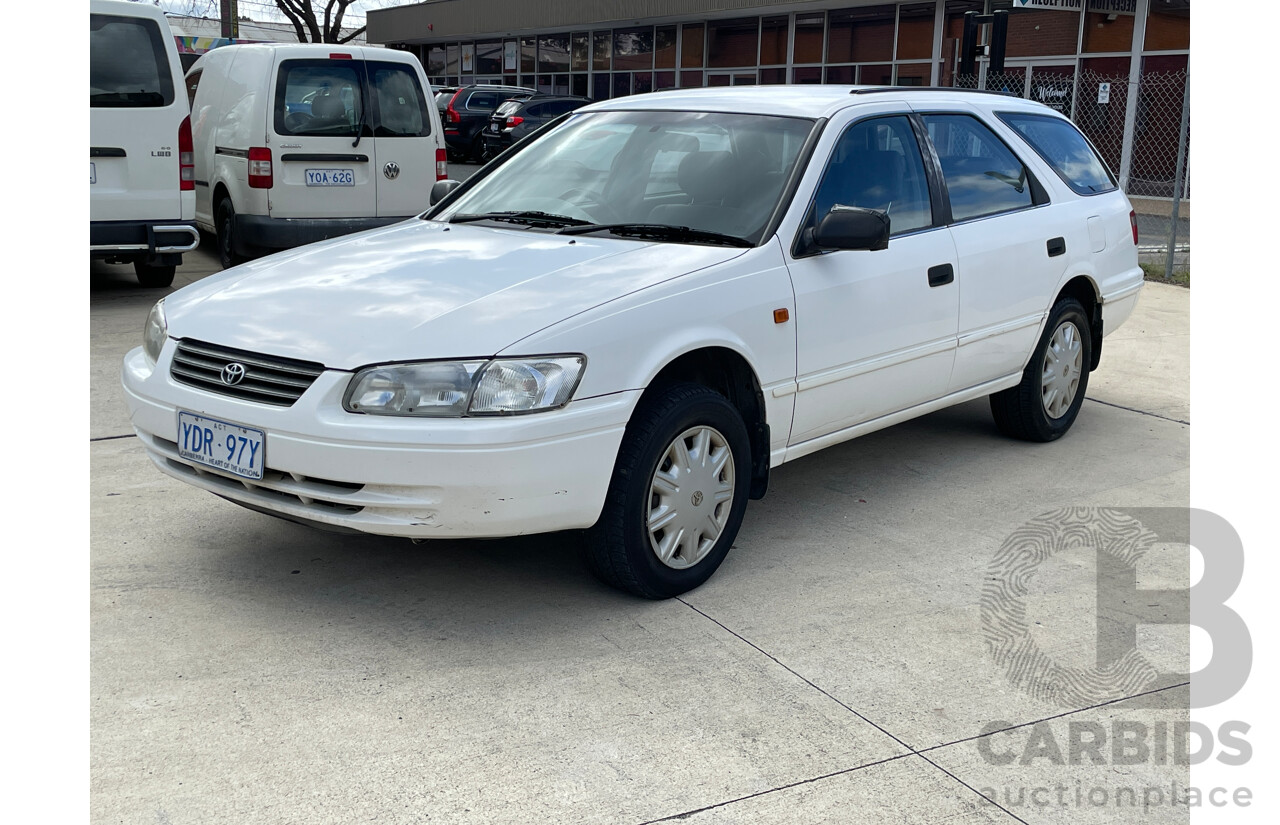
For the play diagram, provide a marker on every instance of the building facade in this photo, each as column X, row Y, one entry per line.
column 1117, row 67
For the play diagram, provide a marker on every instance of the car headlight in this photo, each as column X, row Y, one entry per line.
column 155, row 332
column 453, row 389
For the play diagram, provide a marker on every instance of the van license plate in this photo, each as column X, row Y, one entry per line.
column 331, row 177
column 221, row 445
column 93, row 173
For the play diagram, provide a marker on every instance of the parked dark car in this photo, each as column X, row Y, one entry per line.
column 466, row 113
column 519, row 117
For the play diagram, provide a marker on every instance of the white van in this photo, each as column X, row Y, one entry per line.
column 287, row 152
column 141, row 178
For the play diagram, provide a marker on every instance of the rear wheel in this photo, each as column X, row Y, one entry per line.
column 153, row 276
column 226, row 221
column 1044, row 405
column 677, row 497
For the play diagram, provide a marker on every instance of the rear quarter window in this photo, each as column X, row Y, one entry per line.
column 1062, row 146
column 128, row 63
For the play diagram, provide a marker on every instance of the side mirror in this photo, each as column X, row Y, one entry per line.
column 442, row 188
column 852, row 227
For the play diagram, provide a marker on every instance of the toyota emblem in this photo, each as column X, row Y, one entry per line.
column 391, row 170
column 232, row 374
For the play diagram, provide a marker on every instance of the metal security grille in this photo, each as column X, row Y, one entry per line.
column 265, row 379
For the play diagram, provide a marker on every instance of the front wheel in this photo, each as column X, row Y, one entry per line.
column 677, row 496
column 1044, row 405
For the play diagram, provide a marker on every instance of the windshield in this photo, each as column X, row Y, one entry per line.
column 708, row 171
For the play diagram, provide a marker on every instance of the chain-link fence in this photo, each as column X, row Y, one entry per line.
column 1159, row 141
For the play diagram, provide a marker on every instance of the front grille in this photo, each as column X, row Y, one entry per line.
column 267, row 379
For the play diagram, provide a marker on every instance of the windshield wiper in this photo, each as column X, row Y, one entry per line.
column 660, row 232
column 532, row 218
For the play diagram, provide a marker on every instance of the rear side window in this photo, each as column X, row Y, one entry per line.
column 983, row 176
column 559, row 107
column 482, row 101
column 193, row 83
column 318, row 98
column 402, row 106
column 128, row 64
column 1065, row 149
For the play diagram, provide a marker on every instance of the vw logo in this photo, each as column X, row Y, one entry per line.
column 391, row 170
column 232, row 374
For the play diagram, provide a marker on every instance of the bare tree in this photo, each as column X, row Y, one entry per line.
column 314, row 28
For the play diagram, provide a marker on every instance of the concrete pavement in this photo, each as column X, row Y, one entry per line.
column 834, row 670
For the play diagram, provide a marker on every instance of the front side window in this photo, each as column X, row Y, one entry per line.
column 318, row 98
column 982, row 175
column 128, row 64
column 1062, row 146
column 876, row 164
column 708, row 171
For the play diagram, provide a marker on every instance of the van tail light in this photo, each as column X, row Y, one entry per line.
column 1133, row 221
column 186, row 157
column 451, row 114
column 339, row 56
column 514, row 121
column 260, row 168
column 442, row 164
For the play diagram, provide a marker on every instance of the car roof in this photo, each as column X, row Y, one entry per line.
column 548, row 98
column 804, row 100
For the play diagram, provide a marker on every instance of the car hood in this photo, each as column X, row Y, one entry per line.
column 420, row 289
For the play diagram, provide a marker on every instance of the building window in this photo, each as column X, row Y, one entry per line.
column 860, row 35
column 1040, row 32
column 1169, row 26
column 691, row 47
column 808, row 37
column 528, row 55
column 915, row 31
column 633, row 48
column 733, row 42
column 773, row 41
column 1108, row 32
column 664, row 47
column 489, row 57
column 580, row 52
column 601, row 52
column 553, row 53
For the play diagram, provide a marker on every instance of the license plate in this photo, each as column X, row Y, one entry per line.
column 221, row 445
column 331, row 177
column 93, row 173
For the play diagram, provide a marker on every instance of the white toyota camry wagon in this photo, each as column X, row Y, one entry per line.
column 623, row 323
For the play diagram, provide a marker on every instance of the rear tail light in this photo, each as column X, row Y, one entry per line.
column 339, row 56
column 451, row 114
column 1133, row 221
column 514, row 121
column 442, row 164
column 186, row 157
column 260, row 168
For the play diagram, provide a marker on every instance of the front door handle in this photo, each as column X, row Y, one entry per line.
column 941, row 274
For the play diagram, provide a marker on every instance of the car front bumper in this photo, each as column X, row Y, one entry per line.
column 397, row 476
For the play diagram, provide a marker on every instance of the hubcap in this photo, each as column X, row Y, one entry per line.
column 690, row 496
column 1063, row 366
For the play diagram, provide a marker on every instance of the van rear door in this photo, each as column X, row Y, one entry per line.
column 135, row 112
column 320, row 168
column 406, row 137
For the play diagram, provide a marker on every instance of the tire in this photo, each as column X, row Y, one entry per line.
column 154, row 276
column 1044, row 405
column 477, row 153
column 226, row 222
column 671, row 433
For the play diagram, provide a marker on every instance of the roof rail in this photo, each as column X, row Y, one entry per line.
column 872, row 90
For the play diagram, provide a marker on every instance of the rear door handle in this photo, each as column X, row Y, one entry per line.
column 1056, row 247
column 941, row 274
